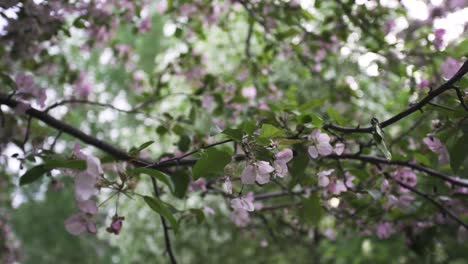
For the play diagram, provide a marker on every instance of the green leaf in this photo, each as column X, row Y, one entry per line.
column 249, row 127
column 458, row 153
column 270, row 131
column 162, row 209
column 211, row 162
column 136, row 151
column 234, row 134
column 181, row 181
column 159, row 175
column 335, row 115
column 312, row 211
column 199, row 215
column 32, row 175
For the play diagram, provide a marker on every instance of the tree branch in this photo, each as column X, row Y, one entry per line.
column 167, row 238
column 413, row 108
column 428, row 198
column 378, row 161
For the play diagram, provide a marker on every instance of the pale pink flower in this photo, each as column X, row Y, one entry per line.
column 339, row 148
column 187, row 10
column 424, row 83
column 439, row 38
column 389, row 26
column 249, row 92
column 198, row 185
column 25, row 83
column 320, row 144
column 240, row 218
column 330, row 234
column 384, row 230
column 323, row 180
column 349, row 180
column 337, row 187
column 264, row 243
column 385, row 186
column 259, row 171
column 406, row 176
column 242, row 204
column 208, row 210
column 281, row 160
column 145, row 25
column 88, row 206
column 449, row 67
column 294, row 3
column 79, row 223
column 436, row 146
column 82, row 86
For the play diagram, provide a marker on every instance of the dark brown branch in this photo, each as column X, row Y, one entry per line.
column 428, row 198
column 413, row 108
column 167, row 238
column 378, row 161
column 80, row 101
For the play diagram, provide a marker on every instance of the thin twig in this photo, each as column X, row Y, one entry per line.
column 167, row 239
column 428, row 198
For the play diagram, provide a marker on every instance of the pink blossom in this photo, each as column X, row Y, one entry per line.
column 281, row 160
column 403, row 201
column 161, row 6
column 259, row 171
column 82, row 86
column 207, row 101
column 116, row 225
column 249, row 92
column 320, row 55
column 339, row 148
column 79, row 223
column 198, row 185
column 242, row 204
column 25, row 83
column 385, row 186
column 88, row 206
column 123, row 50
column 337, row 187
column 406, row 176
column 436, row 146
column 323, row 180
column 85, row 181
column 424, row 83
column 240, row 218
column 449, row 67
column 242, row 75
column 208, row 210
column 349, row 180
column 389, row 26
column 384, row 230
column 145, row 25
column 294, row 3
column 187, row 10
column 330, row 234
column 439, row 38
column 264, row 243
column 321, row 144
column 85, row 186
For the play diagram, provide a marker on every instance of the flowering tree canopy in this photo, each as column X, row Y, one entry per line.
column 233, row 130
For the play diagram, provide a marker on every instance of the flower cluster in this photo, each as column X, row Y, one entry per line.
column 321, row 145
column 260, row 171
